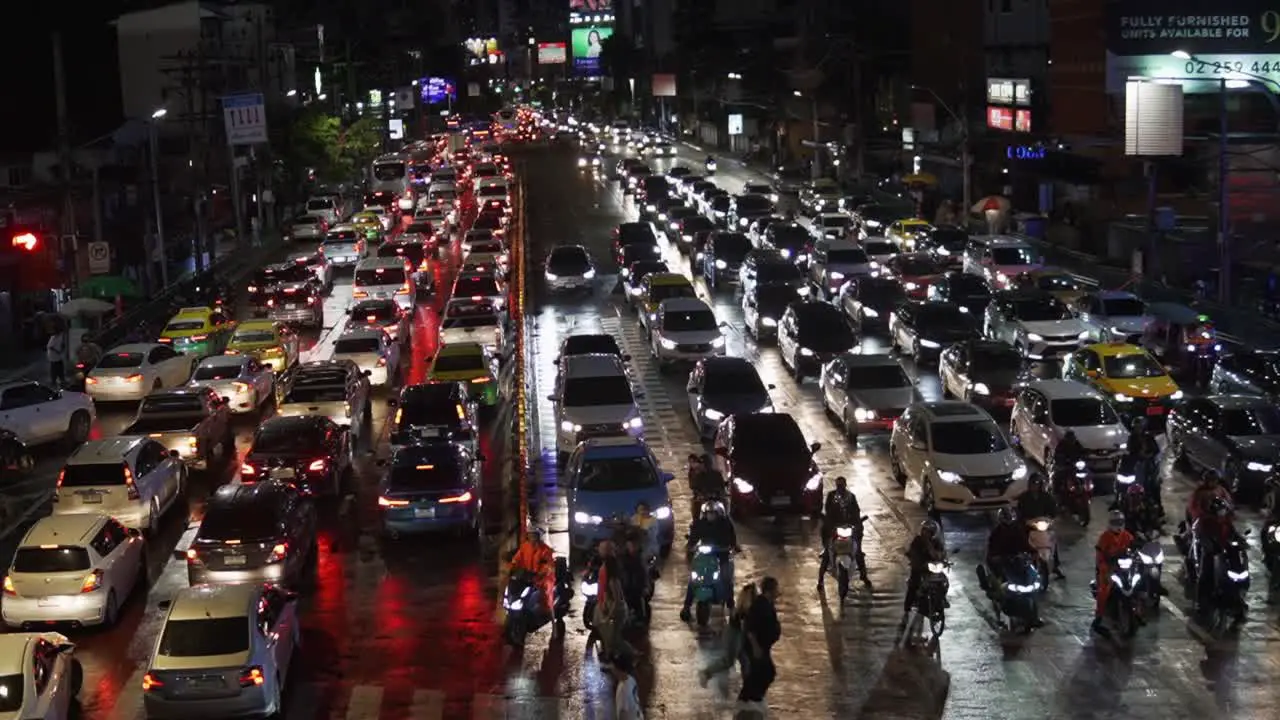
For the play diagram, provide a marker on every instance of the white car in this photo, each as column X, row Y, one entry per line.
column 879, row 250
column 373, row 351
column 593, row 398
column 39, row 676
column 325, row 208
column 134, row 479
column 478, row 321
column 685, row 330
column 569, row 268
column 77, row 569
column 956, row 457
column 39, row 414
column 245, row 381
column 383, row 278
column 1034, row 322
column 1001, row 260
column 1113, row 315
column 442, row 219
column 130, row 372
column 484, row 285
column 342, row 246
column 474, row 237
column 223, row 651
column 834, row 262
column 1045, row 410
column 830, row 226
column 492, row 253
column 866, row 393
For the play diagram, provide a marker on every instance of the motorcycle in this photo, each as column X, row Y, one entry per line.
column 1271, row 551
column 704, row 575
column 590, row 589
column 931, row 603
column 1042, row 540
column 1151, row 555
column 523, row 605
column 1076, row 489
column 711, row 166
column 1123, row 613
column 844, row 548
column 1015, row 595
column 1226, row 604
column 79, row 377
column 16, row 459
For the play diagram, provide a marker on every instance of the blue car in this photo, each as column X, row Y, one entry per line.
column 607, row 478
column 430, row 488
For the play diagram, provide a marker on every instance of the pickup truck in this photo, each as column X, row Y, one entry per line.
column 194, row 421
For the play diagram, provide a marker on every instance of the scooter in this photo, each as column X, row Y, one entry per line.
column 1123, row 613
column 16, row 459
column 525, row 614
column 1226, row 606
column 1076, row 488
column 704, row 575
column 844, row 549
column 590, row 589
column 931, row 603
column 711, row 166
column 1014, row 596
column 1151, row 555
column 1042, row 540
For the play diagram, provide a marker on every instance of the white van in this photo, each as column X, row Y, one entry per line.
column 324, row 207
column 383, row 278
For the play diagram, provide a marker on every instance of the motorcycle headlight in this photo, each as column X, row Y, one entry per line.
column 743, row 486
column 1125, row 479
column 806, row 352
column 516, row 604
column 582, row 162
column 1124, row 563
column 937, row 568
column 1275, row 533
column 930, row 344
column 1234, row 576
column 1254, row 466
column 635, row 423
column 1020, row 472
column 721, row 265
column 1080, row 465
column 981, row 389
column 1146, row 559
column 662, row 512
column 836, row 275
column 947, row 476
column 1121, row 397
column 650, row 208
column 713, row 415
column 717, row 343
column 635, row 291
column 870, row 312
column 590, row 589
column 814, row 483
column 582, row 518
column 768, row 322
column 803, row 291
column 705, row 549
column 910, row 286
column 872, row 224
column 1040, row 526
column 742, row 222
column 844, row 532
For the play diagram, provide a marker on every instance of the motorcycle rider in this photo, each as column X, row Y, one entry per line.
column 713, row 527
column 1198, row 506
column 536, row 556
column 1038, row 502
column 926, row 547
column 1141, row 451
column 839, row 509
column 1212, row 531
column 1008, row 539
column 706, row 483
column 1065, row 455
column 1140, row 514
column 1113, row 542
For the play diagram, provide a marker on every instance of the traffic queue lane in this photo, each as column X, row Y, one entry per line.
column 377, row 609
column 1175, row 668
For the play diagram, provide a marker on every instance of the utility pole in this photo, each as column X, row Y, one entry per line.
column 66, row 241
column 1224, row 215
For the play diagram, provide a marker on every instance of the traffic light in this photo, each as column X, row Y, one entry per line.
column 26, row 241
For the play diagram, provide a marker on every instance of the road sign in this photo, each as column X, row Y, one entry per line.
column 245, row 117
column 99, row 258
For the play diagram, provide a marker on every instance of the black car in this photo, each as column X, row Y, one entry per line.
column 791, row 241
column 634, row 233
column 810, row 334
column 946, row 243
column 967, row 291
column 591, row 344
column 262, row 532
column 421, row 227
column 689, row 227
column 434, row 412
column 662, row 207
column 719, row 208
column 922, row 329
column 312, row 453
column 722, row 386
column 746, row 208
column 651, row 189
column 1237, row 435
column 264, row 281
column 767, row 267
column 414, row 252
column 634, row 253
column 867, row 300
column 769, row 464
column 431, row 487
column 638, row 271
column 383, row 313
column 493, row 222
column 762, row 309
column 983, row 372
column 722, row 257
column 1248, row 372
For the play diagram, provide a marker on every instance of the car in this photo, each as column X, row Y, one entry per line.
column 368, row 225
column 831, row 226
column 494, row 199
column 921, row 329
column 384, row 315
column 660, row 150
column 722, row 386
column 819, row 196
column 879, row 251
column 873, row 219
column 467, row 320
column 239, row 639
column 264, row 281
column 481, row 285
column 769, row 268
column 254, row 532
column 834, row 261
column 324, row 209
column 663, row 206
column 957, row 457
column 746, row 208
column 373, row 352
column 310, row 452
column 679, row 172
column 72, row 569
column 267, row 341
column 412, row 249
column 590, row 161
column 1138, row 385
column 1001, row 259
column 335, row 389
column 38, row 414
column 197, row 331
column 759, row 225
column 1113, row 315
column 296, row 304
column 317, row 263
column 633, row 176
column 1045, row 410
column 769, row 466
column 946, row 243
column 916, row 272
column 867, row 301
column 606, row 478
column 495, row 223
column 343, row 245
column 764, row 189
column 682, row 224
column 593, row 397
column 716, row 206
column 472, row 237
column 865, row 393
column 469, row 363
column 438, row 218
column 970, row 293
column 810, row 333
column 684, row 329
column 382, row 213
column 492, row 252
column 1057, row 282
column 908, row 232
column 1237, row 436
column 634, row 233
column 431, row 487
column 128, row 372
column 242, row 379
column 434, row 412
column 722, row 257
column 1246, row 372
column 656, row 288
column 790, row 240
column 1034, row 322
column 39, row 676
column 635, row 273
column 636, row 253
column 134, row 479
column 983, row 372
column 379, row 278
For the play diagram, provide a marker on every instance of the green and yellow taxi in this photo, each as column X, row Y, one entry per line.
column 468, row 363
column 1135, row 381
column 656, row 287
column 270, row 342
column 197, row 331
column 369, row 225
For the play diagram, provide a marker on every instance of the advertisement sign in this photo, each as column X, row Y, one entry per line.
column 245, row 117
column 1152, row 119
column 481, row 47
column 590, row 5
column 553, row 53
column 587, row 43
column 1201, row 74
column 1006, row 91
column 395, row 129
column 1000, row 118
column 664, row 85
column 1022, row 121
column 436, row 90
column 735, row 124
column 1159, row 27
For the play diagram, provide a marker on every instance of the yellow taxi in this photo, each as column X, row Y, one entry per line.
column 1137, row 383
column 907, row 231
column 270, row 342
column 468, row 363
column 1055, row 281
column 197, row 331
column 656, row 287
column 369, row 224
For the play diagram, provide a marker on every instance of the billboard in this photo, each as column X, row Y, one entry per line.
column 437, row 90
column 590, row 5
column 587, row 43
column 552, row 53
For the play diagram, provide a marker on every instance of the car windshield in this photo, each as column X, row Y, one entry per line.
column 12, row 688
column 219, row 371
column 953, row 240
column 639, row 251
column 874, row 377
column 1043, row 309
column 598, row 390
column 315, row 205
column 1013, row 256
column 778, row 273
column 916, row 267
column 967, row 438
column 288, row 437
column 457, row 363
column 720, row 203
column 50, row 559
column 788, row 236
column 184, row 326
column 847, row 256
column 696, row 223
column 938, row 316
column 341, row 237
column 658, row 293
column 205, row 637
column 487, row 222
column 880, row 291
column 388, row 171
column 475, row 236
column 1256, row 420
column 689, row 321
column 476, row 287
column 756, row 189
column 879, row 248
column 732, row 246
column 476, row 320
column 440, row 473
column 348, row 346
column 1082, row 412
column 185, row 403
column 617, row 475
column 380, row 276
column 255, row 521
column 92, row 475
column 413, row 252
column 590, row 344
column 308, row 393
column 748, row 204
column 1052, row 283
column 732, row 379
column 642, row 268
column 986, row 359
column 824, row 328
column 633, row 232
column 836, row 221
column 1124, row 307
column 776, row 437
column 968, row 287
column 1132, row 366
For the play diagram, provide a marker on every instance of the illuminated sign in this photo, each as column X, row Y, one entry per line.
column 1007, row 91
column 587, row 44
column 1022, row 121
column 1026, row 152
column 1202, row 74
column 436, row 90
column 1000, row 118
column 1159, row 27
column 553, row 53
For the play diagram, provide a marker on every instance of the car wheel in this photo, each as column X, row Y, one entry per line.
column 111, row 610
column 927, row 502
column 850, row 427
column 915, row 351
column 895, row 468
column 77, row 677
column 78, row 427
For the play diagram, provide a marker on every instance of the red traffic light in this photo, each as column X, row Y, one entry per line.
column 26, row 241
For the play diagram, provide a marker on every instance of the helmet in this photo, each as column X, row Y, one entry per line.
column 1115, row 521
column 842, row 483
column 712, row 509
column 1069, row 434
column 1138, row 424
column 929, row 528
column 1036, row 482
column 1220, row 507
column 1136, row 491
column 1006, row 516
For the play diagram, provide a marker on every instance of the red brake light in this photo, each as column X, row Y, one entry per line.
column 463, row 498
column 371, row 318
column 390, row 502
column 150, row 682
column 200, row 338
column 312, row 300
column 318, row 465
column 249, row 677
column 271, row 302
column 91, row 582
column 128, row 480
column 247, row 469
column 278, row 552
column 136, row 377
column 291, row 290
column 164, row 340
column 192, row 555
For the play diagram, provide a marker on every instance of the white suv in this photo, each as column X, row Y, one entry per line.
column 133, row 479
column 1001, row 259
column 957, row 457
column 685, row 330
column 593, row 398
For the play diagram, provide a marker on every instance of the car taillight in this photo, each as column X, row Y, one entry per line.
column 128, row 480
column 313, row 300
column 91, row 582
column 199, row 338
column 384, row 501
column 134, row 378
column 247, row 469
column 164, row 340
column 480, row 380
column 271, row 302
column 9, row 589
column 404, row 289
column 193, row 557
column 278, row 552
column 252, row 288
column 150, row 682
column 240, row 387
column 252, row 677
column 359, row 294
column 382, row 362
column 91, row 381
column 318, row 465
column 463, row 498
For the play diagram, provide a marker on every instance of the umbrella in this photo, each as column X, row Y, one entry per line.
column 990, row 203
column 85, row 306
column 920, row 179
column 109, row 286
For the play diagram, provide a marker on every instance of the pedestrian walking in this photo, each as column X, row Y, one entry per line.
column 762, row 631
column 732, row 645
column 56, row 353
column 626, row 694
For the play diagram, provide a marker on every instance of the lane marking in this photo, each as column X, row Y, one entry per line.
column 365, row 703
column 427, row 705
column 129, row 702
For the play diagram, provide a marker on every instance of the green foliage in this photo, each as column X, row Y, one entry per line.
column 358, row 145
column 318, row 140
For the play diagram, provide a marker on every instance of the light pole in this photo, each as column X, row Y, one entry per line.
column 815, row 170
column 965, row 159
column 154, row 148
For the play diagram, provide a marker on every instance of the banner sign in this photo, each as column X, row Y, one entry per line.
column 553, row 53
column 1155, row 27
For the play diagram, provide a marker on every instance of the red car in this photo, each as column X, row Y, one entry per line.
column 915, row 272
column 769, row 466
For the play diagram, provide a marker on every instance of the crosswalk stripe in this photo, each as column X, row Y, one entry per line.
column 365, row 703
column 497, row 707
column 129, row 702
column 427, row 705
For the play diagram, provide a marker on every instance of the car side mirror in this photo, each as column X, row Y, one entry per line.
column 175, row 454
column 668, row 477
column 815, row 447
column 1092, row 374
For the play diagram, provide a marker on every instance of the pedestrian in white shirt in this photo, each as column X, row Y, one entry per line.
column 56, row 353
column 626, row 696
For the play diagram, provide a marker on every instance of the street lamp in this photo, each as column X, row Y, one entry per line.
column 291, row 93
column 159, row 114
column 154, row 151
column 967, row 193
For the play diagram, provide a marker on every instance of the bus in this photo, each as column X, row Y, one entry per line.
column 390, row 174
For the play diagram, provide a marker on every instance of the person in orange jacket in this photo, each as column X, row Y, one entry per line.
column 536, row 556
column 1112, row 543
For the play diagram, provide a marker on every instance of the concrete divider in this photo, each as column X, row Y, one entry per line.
column 912, row 686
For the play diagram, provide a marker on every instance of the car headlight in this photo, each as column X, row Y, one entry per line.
column 942, row 251
column 872, row 223
column 1020, row 472
column 870, row 312
column 719, row 213
column 552, row 277
column 980, row 389
column 662, row 217
column 1121, row 397
column 582, row 162
column 712, row 415
column 582, row 518
column 803, row 291
column 768, row 322
column 1002, row 278
column 667, row 344
column 1255, row 466
column 947, row 476
column 686, row 238
column 721, row 265
column 635, row 423
column 864, row 414
column 1033, row 337
column 1177, row 395
column 662, row 512
column 717, row 343
column 930, row 344
column 635, row 291
column 743, row 486
column 806, row 352
column 836, row 275
column 742, row 222
column 569, row 426
column 910, row 286
column 650, row 208
column 1084, row 335
column 814, row 483
column 590, row 273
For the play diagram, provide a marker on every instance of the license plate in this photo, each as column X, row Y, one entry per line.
column 283, row 473
column 990, row 493
column 49, row 602
column 205, row 684
column 1155, row 410
column 424, row 512
column 291, row 306
column 233, row 560
column 781, row 502
column 380, row 295
column 429, row 432
column 90, row 497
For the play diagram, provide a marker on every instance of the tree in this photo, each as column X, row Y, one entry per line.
column 317, row 141
column 357, row 145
